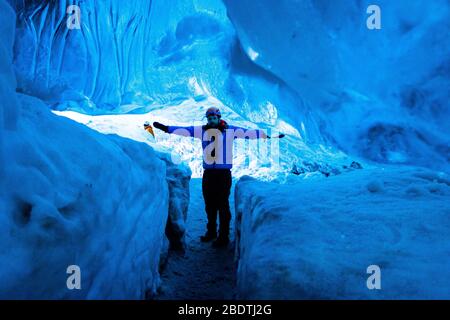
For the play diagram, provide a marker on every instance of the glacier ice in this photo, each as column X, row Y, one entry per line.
column 72, row 196
column 380, row 94
column 152, row 53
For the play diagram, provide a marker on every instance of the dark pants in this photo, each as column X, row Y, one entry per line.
column 216, row 187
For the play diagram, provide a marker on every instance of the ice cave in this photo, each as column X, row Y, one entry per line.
column 359, row 179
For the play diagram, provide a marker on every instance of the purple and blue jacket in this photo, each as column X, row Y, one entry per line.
column 217, row 144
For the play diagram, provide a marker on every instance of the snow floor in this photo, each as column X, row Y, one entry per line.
column 201, row 272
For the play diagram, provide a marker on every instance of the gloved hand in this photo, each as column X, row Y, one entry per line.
column 161, row 127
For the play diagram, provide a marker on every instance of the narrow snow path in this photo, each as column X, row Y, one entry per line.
column 201, row 272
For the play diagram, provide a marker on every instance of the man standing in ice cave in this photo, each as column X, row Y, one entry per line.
column 217, row 142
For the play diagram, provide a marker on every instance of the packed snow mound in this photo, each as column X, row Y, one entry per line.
column 382, row 94
column 314, row 238
column 72, row 196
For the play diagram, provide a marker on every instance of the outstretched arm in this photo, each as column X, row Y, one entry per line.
column 242, row 133
column 161, row 127
column 181, row 131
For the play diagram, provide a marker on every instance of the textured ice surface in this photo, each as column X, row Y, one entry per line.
column 308, row 68
column 380, row 94
column 72, row 196
column 147, row 54
column 314, row 238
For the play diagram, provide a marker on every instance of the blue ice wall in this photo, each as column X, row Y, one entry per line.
column 146, row 52
column 381, row 94
column 98, row 64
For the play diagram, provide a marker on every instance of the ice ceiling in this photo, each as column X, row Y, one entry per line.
column 380, row 94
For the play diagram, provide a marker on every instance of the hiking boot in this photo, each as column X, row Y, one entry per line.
column 221, row 242
column 208, row 237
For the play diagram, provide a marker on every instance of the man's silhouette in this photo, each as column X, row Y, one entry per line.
column 217, row 142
